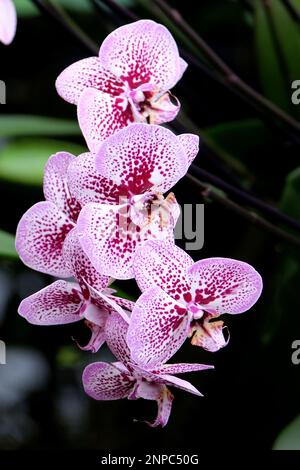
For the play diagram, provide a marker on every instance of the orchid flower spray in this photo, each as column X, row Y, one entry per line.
column 128, row 82
column 109, row 214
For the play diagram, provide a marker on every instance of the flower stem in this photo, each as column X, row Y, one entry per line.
column 232, row 79
column 209, row 193
column 53, row 10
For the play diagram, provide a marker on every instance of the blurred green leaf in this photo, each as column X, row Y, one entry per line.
column 27, row 8
column 22, row 125
column 239, row 138
column 68, row 356
column 289, row 438
column 23, row 161
column 7, row 245
column 273, row 78
column 290, row 201
column 278, row 49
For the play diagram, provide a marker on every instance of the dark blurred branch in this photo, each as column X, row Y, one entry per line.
column 60, row 16
column 232, row 79
column 292, row 10
column 245, row 197
column 210, row 193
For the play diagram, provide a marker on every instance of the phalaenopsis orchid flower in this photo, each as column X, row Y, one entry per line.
column 8, row 21
column 128, row 82
column 42, row 230
column 127, row 379
column 182, row 298
column 64, row 302
column 128, row 177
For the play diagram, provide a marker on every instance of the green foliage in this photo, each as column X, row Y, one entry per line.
column 277, row 38
column 289, row 438
column 23, row 161
column 15, row 125
column 290, row 202
column 7, row 245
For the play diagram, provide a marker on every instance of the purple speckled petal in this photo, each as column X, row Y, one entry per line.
column 158, row 328
column 56, row 185
column 142, row 158
column 223, row 285
column 109, row 237
column 103, row 381
column 115, row 332
column 124, row 303
column 8, row 21
column 87, row 185
column 170, row 380
column 183, row 368
column 101, row 115
column 80, row 265
column 162, row 264
column 190, row 143
column 142, row 52
column 40, row 236
column 86, row 73
column 56, row 304
column 183, row 66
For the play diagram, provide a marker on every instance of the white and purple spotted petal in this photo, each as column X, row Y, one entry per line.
column 103, row 381
column 110, row 238
column 142, row 52
column 103, row 234
column 56, row 185
column 80, row 265
column 171, row 369
column 183, row 66
column 190, row 143
column 163, row 264
column 170, row 380
column 142, row 158
column 40, row 236
column 86, row 73
column 86, row 183
column 223, row 285
column 8, row 21
column 158, row 328
column 100, row 115
column 56, row 304
column 115, row 334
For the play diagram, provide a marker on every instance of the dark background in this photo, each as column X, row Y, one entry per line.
column 253, row 395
